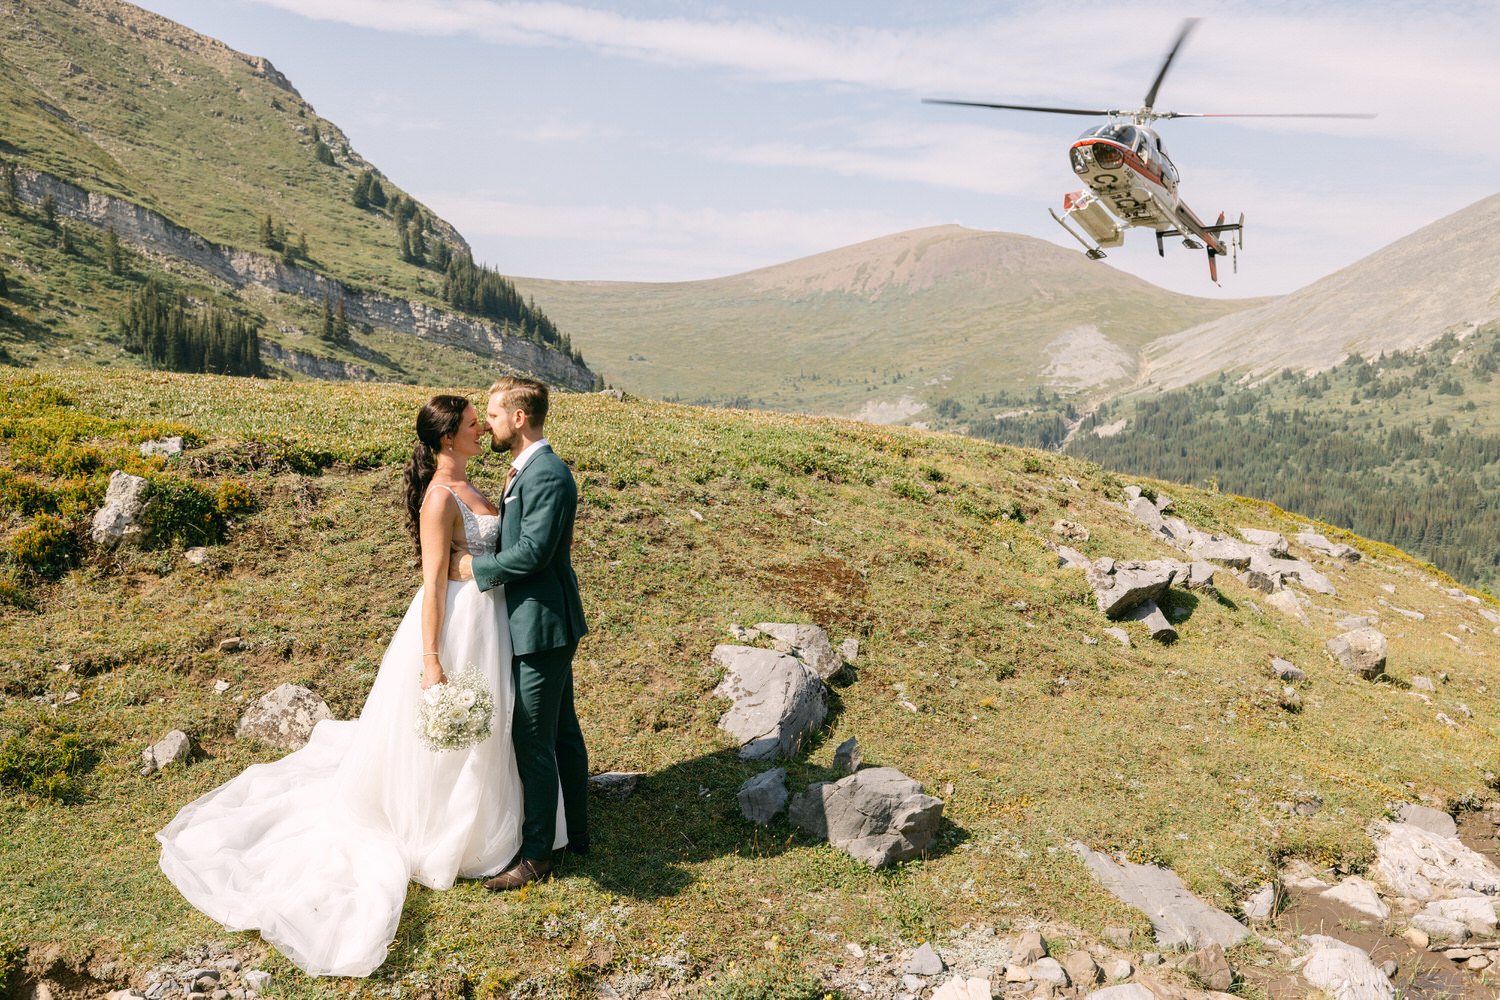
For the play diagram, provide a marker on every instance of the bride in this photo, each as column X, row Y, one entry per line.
column 316, row 849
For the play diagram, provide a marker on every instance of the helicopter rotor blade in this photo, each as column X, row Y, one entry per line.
column 1292, row 114
column 1025, row 107
column 1187, row 26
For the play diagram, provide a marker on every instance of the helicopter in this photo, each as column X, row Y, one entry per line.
column 1131, row 180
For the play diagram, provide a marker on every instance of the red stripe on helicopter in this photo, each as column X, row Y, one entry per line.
column 1131, row 159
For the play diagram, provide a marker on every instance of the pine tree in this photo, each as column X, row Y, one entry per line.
column 49, row 211
column 362, row 190
column 418, row 245
column 377, row 193
column 114, row 257
column 405, row 245
column 441, row 255
column 11, row 192
column 268, row 234
column 65, row 243
column 328, row 331
column 323, row 153
column 316, row 135
column 4, row 286
column 302, row 247
column 340, row 323
column 280, row 235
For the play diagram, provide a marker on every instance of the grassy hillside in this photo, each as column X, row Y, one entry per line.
column 1403, row 447
column 929, row 548
column 892, row 328
column 120, row 102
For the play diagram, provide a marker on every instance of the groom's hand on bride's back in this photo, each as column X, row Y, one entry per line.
column 460, row 564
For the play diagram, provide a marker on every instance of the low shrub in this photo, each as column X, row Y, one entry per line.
column 46, row 545
column 234, row 499
column 183, row 513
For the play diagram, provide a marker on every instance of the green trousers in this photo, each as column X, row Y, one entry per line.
column 549, row 749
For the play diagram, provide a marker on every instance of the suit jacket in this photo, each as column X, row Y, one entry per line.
column 534, row 562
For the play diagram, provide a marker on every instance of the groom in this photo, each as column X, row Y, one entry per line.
column 546, row 621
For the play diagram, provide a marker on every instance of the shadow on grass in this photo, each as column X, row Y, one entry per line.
column 646, row 845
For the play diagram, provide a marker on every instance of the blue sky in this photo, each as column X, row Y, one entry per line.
column 667, row 140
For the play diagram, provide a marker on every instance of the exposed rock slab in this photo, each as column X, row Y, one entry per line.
column 1437, row 823
column 1319, row 543
column 617, row 785
column 1223, row 551
column 1420, row 864
column 1359, row 895
column 1179, row 918
column 284, row 717
column 1273, row 543
column 779, row 701
column 1148, row 614
column 878, row 815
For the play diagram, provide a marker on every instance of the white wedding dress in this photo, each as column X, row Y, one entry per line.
column 315, row 849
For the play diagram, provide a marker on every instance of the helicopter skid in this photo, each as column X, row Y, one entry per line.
column 1082, row 209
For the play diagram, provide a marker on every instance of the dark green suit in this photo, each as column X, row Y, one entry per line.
column 546, row 621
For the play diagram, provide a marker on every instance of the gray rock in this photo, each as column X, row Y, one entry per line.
column 230, row 964
column 913, row 984
column 1200, row 577
column 1224, row 551
column 877, row 815
column 231, row 645
column 1124, row 991
column 779, row 701
column 1068, row 558
column 1290, row 698
column 1156, row 623
column 1475, row 912
column 1260, row 905
column 1337, row 550
column 1211, row 967
column 1343, row 971
column 1292, row 569
column 257, row 980
column 807, row 642
column 1286, row 671
column 1422, row 684
column 1359, row 895
column 1116, row 969
column 1071, row 530
column 1145, row 512
column 1181, row 920
column 1272, row 542
column 1131, row 493
column 1441, row 928
column 1257, row 580
column 170, row 749
column 1050, row 970
column 744, row 634
column 1124, row 585
column 849, row 649
column 167, row 447
column 1416, row 863
column 1163, row 502
column 196, row 556
column 763, row 796
column 1351, row 622
column 1119, row 635
column 1081, row 969
column 847, row 757
column 924, row 962
column 1119, row 936
column 1361, row 651
column 615, row 785
column 284, row 717
column 1032, row 947
column 1286, row 602
column 123, row 518
column 1434, row 822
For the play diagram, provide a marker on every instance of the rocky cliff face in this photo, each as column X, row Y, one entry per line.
column 152, row 233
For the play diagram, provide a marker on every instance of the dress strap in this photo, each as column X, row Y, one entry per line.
column 440, row 486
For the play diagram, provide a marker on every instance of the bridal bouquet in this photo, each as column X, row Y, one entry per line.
column 455, row 715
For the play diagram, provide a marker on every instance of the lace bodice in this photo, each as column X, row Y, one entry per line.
column 482, row 531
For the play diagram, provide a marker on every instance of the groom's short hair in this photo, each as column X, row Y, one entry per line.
column 524, row 394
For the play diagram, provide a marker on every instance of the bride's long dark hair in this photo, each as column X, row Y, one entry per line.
column 438, row 417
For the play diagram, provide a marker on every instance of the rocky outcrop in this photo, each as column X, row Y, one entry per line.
column 284, row 717
column 879, row 816
column 153, row 233
column 1362, row 650
column 127, row 503
column 326, row 369
column 1180, row 918
column 1121, row 586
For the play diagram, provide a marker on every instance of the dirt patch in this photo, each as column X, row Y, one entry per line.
column 828, row 590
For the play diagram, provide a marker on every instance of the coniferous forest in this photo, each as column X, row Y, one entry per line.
column 159, row 324
column 1396, row 448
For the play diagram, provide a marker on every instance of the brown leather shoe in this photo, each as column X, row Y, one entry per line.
column 523, row 872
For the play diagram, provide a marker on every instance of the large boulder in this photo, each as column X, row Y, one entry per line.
column 1272, row 542
column 283, row 718
column 878, row 815
column 127, row 503
column 1432, row 820
column 1148, row 614
column 779, row 701
column 807, row 642
column 1361, row 650
column 1181, row 920
column 1120, row 586
column 1224, row 551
